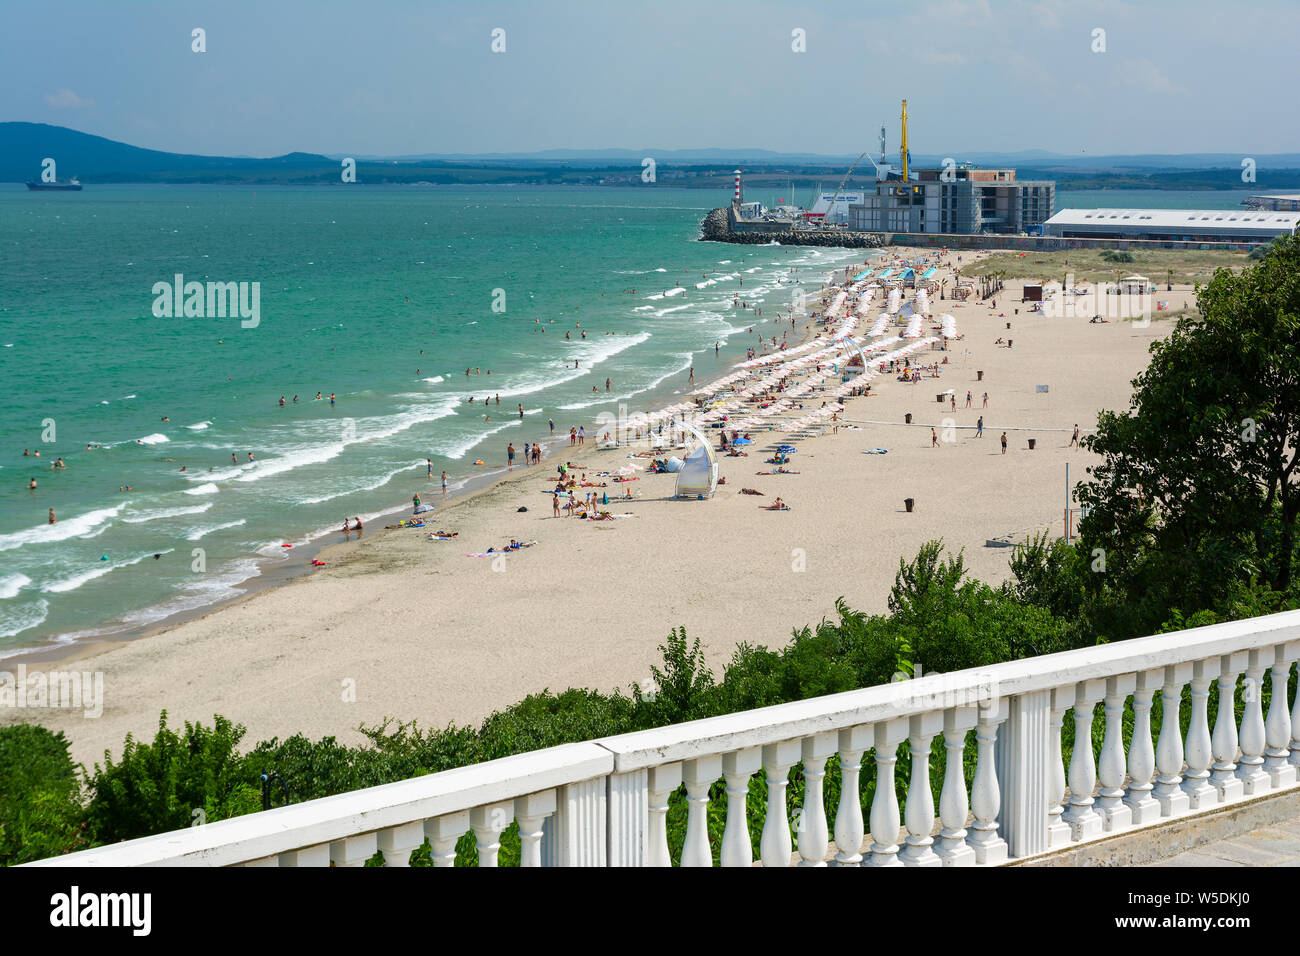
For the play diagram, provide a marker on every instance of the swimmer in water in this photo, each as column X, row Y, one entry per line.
column 52, row 518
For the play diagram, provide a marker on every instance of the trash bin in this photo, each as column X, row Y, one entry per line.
column 908, row 503
column 1008, row 325
column 939, row 397
column 1009, row 343
column 1032, row 441
column 979, row 376
column 908, row 418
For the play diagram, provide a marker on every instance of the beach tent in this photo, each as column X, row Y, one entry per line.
column 699, row 474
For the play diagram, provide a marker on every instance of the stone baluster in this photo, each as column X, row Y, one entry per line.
column 1083, row 819
column 488, row 822
column 1115, row 813
column 398, row 843
column 1141, row 754
column 531, row 811
column 814, row 837
column 1196, row 781
column 953, row 803
column 699, row 775
column 1169, row 792
column 661, row 783
column 1278, row 724
column 737, row 767
column 919, row 816
column 1058, row 831
column 884, row 803
column 849, row 828
column 1224, row 778
column 1250, row 768
column 775, row 846
column 354, row 850
column 443, row 832
column 986, row 797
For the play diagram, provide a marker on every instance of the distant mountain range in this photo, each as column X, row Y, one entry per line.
column 95, row 159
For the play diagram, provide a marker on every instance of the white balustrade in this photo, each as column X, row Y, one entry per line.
column 1142, row 805
column 606, row 802
column 849, row 828
column 776, row 847
column 1115, row 813
column 1083, row 819
column 1196, row 781
column 1225, row 741
column 986, row 797
column 814, row 838
column 1278, row 724
column 918, row 849
column 954, row 806
column 1169, row 792
column 1250, row 766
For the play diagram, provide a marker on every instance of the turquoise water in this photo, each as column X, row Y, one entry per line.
column 354, row 283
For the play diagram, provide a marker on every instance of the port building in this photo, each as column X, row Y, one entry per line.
column 956, row 200
column 1185, row 225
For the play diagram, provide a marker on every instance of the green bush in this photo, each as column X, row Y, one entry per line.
column 40, row 810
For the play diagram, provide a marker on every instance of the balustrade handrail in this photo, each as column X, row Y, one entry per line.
column 320, row 821
column 405, row 803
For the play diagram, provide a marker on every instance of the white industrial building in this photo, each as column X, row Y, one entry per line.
column 1186, row 225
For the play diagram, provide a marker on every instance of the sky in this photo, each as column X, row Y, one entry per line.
column 406, row 77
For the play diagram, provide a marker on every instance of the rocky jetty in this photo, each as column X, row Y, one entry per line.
column 717, row 227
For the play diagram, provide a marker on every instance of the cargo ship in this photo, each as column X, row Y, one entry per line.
column 67, row 185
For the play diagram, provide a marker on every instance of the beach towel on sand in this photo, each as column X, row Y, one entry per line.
column 876, row 451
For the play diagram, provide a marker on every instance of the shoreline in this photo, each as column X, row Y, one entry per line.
column 424, row 632
column 274, row 575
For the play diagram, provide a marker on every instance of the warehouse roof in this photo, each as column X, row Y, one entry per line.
column 1263, row 220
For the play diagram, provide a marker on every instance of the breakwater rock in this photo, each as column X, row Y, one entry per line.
column 720, row 226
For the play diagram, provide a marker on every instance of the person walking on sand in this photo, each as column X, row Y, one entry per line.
column 444, row 484
column 1004, row 443
column 979, row 427
column 968, row 396
column 986, row 399
column 934, row 438
column 415, row 502
column 510, row 456
column 555, row 505
column 1074, row 439
column 573, row 436
column 953, row 396
column 582, row 435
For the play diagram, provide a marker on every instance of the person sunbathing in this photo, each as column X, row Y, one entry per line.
column 442, row 535
column 750, row 491
column 777, row 505
column 779, row 471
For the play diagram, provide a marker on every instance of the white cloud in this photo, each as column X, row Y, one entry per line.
column 67, row 100
column 1145, row 75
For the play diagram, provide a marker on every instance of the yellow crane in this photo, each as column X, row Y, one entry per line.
column 902, row 152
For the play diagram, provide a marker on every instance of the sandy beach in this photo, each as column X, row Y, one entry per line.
column 401, row 627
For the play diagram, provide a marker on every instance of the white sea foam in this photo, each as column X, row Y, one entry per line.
column 23, row 617
column 199, row 533
column 155, row 439
column 372, row 485
column 70, row 528
column 208, row 489
column 666, row 293
column 435, row 380
column 140, row 517
column 198, row 426
column 11, row 584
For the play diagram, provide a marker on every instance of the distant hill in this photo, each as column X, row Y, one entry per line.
column 95, row 159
